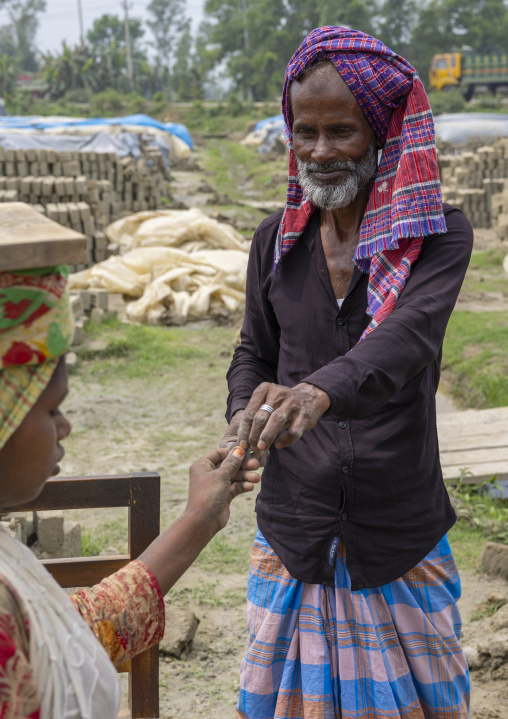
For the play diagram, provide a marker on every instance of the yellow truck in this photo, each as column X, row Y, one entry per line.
column 467, row 71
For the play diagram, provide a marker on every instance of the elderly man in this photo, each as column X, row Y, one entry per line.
column 353, row 587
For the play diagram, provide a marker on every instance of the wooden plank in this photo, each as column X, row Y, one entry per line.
column 456, row 420
column 480, row 472
column 461, row 442
column 28, row 240
column 144, row 685
column 84, row 571
column 81, row 493
column 472, row 457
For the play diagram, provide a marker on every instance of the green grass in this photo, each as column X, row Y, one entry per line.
column 485, row 273
column 238, row 170
column 137, row 351
column 475, row 358
column 109, row 534
column 223, row 555
column 467, row 543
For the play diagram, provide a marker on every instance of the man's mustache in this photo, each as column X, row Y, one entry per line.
column 335, row 166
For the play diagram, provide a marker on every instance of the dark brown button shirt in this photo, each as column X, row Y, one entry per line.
column 369, row 472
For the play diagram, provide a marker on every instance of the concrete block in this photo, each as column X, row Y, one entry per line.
column 18, row 523
column 78, row 332
column 100, row 298
column 181, row 627
column 77, row 306
column 86, row 300
column 49, row 527
column 72, row 540
column 15, row 533
column 71, row 359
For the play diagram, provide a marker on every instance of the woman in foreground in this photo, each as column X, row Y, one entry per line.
column 51, row 665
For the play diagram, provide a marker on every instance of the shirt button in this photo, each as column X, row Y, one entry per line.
column 343, row 425
column 345, row 470
column 344, row 517
column 340, row 321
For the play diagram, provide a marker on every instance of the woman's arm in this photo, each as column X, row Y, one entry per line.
column 126, row 611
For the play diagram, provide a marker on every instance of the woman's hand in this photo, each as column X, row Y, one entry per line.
column 295, row 410
column 215, row 481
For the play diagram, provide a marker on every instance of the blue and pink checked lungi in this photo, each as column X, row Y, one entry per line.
column 318, row 652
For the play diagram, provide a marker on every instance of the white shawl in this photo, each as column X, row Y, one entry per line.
column 75, row 677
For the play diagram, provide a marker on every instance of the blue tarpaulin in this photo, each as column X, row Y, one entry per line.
column 16, row 122
column 276, row 119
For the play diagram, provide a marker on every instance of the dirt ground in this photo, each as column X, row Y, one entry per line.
column 165, row 422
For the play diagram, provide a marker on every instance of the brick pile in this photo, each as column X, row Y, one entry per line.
column 477, row 182
column 84, row 190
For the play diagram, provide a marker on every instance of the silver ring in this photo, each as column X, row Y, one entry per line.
column 267, row 408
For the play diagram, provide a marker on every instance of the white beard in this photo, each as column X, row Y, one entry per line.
column 339, row 193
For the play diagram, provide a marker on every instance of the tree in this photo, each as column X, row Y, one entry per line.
column 189, row 68
column 396, row 23
column 22, row 28
column 480, row 24
column 256, row 38
column 8, row 72
column 108, row 31
column 352, row 13
column 167, row 22
column 106, row 39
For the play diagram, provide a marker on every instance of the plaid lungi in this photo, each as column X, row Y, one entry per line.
column 318, row 652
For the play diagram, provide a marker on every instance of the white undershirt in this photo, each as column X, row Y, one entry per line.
column 339, row 302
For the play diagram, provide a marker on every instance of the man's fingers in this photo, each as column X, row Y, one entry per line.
column 294, row 432
column 258, row 398
column 278, row 421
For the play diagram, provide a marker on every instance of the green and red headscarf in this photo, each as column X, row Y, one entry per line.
column 36, row 329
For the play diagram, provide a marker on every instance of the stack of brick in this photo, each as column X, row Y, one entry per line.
column 48, row 534
column 84, row 190
column 88, row 305
column 476, row 181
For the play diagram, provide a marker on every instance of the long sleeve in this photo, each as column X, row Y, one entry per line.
column 256, row 358
column 372, row 373
column 19, row 696
column 125, row 611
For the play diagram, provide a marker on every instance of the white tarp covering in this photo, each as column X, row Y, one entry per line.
column 178, row 266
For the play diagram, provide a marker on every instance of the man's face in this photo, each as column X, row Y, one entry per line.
column 334, row 144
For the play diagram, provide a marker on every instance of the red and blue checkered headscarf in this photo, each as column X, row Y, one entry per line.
column 405, row 202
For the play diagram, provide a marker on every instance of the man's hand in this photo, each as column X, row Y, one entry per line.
column 231, row 434
column 296, row 410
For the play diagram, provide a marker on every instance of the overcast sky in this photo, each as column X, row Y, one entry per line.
column 60, row 21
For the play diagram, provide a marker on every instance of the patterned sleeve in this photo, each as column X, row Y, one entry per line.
column 125, row 611
column 19, row 695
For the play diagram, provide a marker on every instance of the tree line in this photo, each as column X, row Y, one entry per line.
column 241, row 47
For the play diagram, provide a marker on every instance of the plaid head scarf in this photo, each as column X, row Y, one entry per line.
column 405, row 202
column 36, row 328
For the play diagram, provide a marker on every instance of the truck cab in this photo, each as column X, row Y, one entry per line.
column 445, row 71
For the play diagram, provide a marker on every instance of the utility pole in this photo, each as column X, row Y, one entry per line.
column 128, row 45
column 247, row 45
column 81, row 25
